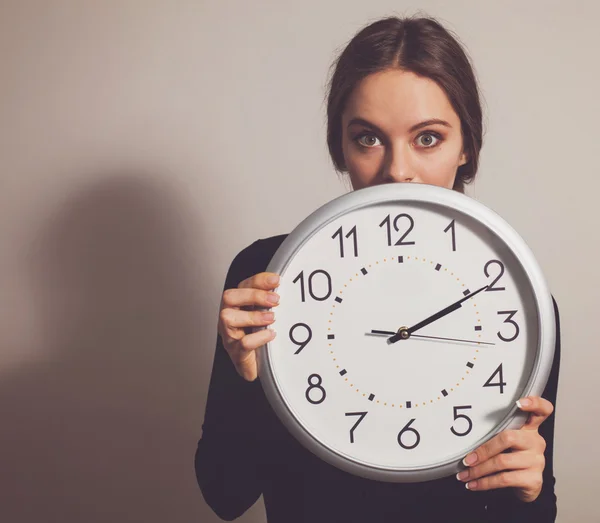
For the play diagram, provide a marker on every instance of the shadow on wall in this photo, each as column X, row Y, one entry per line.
column 99, row 430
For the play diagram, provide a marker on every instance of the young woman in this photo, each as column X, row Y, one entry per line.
column 403, row 106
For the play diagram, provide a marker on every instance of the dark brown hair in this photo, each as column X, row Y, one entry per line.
column 419, row 45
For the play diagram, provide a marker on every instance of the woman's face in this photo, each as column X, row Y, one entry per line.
column 400, row 127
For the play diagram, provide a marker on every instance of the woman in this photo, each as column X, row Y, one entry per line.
column 403, row 106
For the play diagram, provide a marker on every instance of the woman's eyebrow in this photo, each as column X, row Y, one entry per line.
column 416, row 127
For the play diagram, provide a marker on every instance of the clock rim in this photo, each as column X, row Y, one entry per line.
column 413, row 193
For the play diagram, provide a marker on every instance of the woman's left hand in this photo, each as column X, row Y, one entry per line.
column 489, row 467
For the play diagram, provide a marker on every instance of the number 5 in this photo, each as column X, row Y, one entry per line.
column 463, row 416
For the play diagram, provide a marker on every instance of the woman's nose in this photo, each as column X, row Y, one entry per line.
column 397, row 167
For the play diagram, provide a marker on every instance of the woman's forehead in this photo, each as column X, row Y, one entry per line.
column 398, row 98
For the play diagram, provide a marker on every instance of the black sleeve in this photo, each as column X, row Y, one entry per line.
column 503, row 505
column 226, row 459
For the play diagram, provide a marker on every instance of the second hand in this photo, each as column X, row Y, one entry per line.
column 389, row 333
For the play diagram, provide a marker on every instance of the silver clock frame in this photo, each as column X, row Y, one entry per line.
column 427, row 194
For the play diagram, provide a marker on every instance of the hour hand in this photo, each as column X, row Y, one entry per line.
column 383, row 333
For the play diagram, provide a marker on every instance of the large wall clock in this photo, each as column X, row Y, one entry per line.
column 411, row 319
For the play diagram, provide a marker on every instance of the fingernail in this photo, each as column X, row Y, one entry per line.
column 273, row 333
column 523, row 402
column 470, row 459
column 268, row 316
column 462, row 475
column 471, row 485
column 273, row 280
column 273, row 298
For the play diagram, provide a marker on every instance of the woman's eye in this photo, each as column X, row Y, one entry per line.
column 427, row 140
column 367, row 140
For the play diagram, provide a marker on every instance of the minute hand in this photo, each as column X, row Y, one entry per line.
column 405, row 333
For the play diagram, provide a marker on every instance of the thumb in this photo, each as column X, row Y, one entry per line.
column 538, row 408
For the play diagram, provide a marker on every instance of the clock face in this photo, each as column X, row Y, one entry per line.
column 407, row 329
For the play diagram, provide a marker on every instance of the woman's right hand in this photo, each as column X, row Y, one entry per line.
column 236, row 319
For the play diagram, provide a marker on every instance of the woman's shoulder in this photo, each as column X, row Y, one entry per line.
column 261, row 250
column 253, row 259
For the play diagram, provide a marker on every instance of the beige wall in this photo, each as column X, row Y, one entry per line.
column 144, row 143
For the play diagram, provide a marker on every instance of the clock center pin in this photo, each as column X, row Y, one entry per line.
column 403, row 332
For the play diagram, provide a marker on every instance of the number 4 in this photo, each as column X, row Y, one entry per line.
column 501, row 383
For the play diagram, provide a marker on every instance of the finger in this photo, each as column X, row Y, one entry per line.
column 234, row 320
column 539, row 409
column 245, row 365
column 507, row 439
column 249, row 297
column 257, row 339
column 525, row 479
column 263, row 280
column 505, row 461
column 244, row 353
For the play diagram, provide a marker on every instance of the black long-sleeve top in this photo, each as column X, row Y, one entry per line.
column 245, row 451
